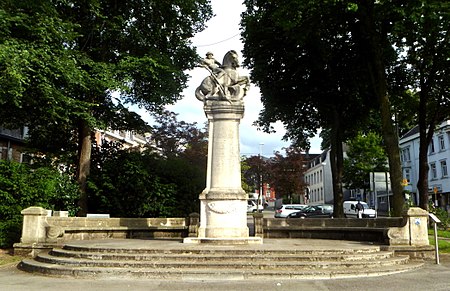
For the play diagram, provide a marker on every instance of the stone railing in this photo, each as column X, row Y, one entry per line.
column 42, row 232
column 407, row 234
column 411, row 229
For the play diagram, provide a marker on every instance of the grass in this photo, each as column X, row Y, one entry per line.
column 6, row 257
column 444, row 244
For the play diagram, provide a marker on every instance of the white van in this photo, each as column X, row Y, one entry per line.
column 350, row 210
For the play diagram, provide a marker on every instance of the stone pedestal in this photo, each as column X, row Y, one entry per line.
column 415, row 231
column 33, row 227
column 223, row 203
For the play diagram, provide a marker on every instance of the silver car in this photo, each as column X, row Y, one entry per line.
column 287, row 209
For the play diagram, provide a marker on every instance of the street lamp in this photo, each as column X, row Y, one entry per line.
column 259, row 202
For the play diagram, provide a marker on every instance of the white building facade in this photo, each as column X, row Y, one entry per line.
column 438, row 162
column 319, row 180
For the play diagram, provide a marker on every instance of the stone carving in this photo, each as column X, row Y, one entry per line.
column 224, row 83
column 54, row 232
column 223, row 207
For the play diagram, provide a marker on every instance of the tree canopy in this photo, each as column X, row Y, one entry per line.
column 305, row 60
column 365, row 154
column 61, row 60
column 332, row 64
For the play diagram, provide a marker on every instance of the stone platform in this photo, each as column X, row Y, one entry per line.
column 171, row 259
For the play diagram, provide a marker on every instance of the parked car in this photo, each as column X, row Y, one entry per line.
column 350, row 210
column 314, row 211
column 287, row 209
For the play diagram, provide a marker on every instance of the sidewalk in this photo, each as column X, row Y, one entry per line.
column 430, row 277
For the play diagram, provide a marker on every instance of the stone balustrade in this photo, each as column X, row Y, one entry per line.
column 42, row 232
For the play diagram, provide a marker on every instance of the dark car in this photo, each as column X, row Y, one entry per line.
column 314, row 211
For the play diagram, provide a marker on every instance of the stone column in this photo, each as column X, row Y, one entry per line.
column 223, row 203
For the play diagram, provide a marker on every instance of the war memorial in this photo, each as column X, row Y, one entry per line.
column 216, row 243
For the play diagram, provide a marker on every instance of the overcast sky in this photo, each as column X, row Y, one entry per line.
column 221, row 35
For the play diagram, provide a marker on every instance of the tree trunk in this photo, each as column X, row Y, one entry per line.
column 337, row 166
column 84, row 164
column 422, row 182
column 370, row 44
column 425, row 137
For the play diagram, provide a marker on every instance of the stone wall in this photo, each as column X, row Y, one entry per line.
column 409, row 230
column 42, row 232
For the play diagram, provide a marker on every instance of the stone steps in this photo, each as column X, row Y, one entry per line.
column 220, row 256
column 223, row 263
column 210, row 273
column 220, row 263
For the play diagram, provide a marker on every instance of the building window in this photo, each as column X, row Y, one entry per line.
column 406, row 156
column 444, row 170
column 432, row 146
column 433, row 171
column 407, row 175
column 441, row 142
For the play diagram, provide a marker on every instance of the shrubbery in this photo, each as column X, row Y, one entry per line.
column 442, row 215
column 135, row 184
column 22, row 187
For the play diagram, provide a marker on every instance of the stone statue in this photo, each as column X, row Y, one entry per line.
column 224, row 83
column 210, row 62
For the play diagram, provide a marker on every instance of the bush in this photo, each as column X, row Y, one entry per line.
column 134, row 184
column 22, row 187
column 442, row 215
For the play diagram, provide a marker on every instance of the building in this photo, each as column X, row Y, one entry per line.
column 126, row 137
column 319, row 180
column 12, row 142
column 438, row 160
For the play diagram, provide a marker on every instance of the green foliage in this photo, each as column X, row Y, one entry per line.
column 22, row 187
column 134, row 184
column 442, row 215
column 60, row 62
column 365, row 154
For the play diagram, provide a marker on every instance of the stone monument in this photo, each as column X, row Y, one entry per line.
column 223, row 203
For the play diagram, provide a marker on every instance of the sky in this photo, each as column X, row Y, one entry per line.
column 221, row 35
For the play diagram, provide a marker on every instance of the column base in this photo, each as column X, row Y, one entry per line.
column 224, row 240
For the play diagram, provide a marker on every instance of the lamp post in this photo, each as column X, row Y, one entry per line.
column 259, row 202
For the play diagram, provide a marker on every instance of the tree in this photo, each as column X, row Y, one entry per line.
column 22, row 186
column 254, row 173
column 425, row 50
column 164, row 180
column 173, row 137
column 365, row 154
column 371, row 34
column 285, row 174
column 303, row 58
column 61, row 61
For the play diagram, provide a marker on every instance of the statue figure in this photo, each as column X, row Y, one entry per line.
column 210, row 62
column 224, row 81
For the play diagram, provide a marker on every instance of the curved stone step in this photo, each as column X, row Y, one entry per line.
column 209, row 273
column 189, row 256
column 220, row 249
column 221, row 264
column 290, row 259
